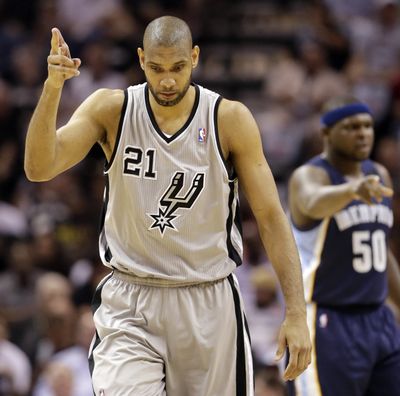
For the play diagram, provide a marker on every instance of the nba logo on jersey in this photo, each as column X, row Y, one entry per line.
column 323, row 320
column 202, row 135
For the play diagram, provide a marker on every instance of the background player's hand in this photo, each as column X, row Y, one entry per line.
column 294, row 335
column 61, row 66
column 369, row 189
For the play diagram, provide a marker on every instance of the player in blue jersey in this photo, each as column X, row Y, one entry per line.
column 340, row 205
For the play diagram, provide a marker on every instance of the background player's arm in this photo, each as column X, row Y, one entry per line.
column 393, row 269
column 313, row 197
column 240, row 141
column 48, row 151
column 393, row 273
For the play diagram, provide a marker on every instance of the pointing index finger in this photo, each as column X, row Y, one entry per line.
column 386, row 191
column 54, row 41
column 57, row 41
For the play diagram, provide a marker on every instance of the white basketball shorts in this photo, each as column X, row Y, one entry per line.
column 176, row 341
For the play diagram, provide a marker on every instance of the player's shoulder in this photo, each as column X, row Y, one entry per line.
column 231, row 110
column 103, row 105
column 235, row 120
column 108, row 99
column 310, row 172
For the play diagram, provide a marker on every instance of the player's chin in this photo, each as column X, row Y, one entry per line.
column 162, row 101
column 362, row 154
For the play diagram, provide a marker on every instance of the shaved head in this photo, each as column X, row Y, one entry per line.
column 167, row 31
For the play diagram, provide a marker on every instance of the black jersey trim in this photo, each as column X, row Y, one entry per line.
column 105, row 203
column 229, row 169
column 96, row 302
column 169, row 139
column 102, row 237
column 91, row 357
column 237, row 219
column 232, row 217
column 241, row 388
column 119, row 131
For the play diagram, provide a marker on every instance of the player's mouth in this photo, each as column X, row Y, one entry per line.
column 363, row 146
column 168, row 95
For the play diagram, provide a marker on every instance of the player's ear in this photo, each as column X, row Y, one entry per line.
column 140, row 53
column 195, row 56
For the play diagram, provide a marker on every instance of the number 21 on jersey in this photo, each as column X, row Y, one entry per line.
column 136, row 165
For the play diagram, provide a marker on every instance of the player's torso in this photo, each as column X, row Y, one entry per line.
column 170, row 202
column 344, row 257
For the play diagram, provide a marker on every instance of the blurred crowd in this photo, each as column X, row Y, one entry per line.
column 283, row 59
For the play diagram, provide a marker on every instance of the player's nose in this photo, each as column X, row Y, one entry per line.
column 167, row 82
column 364, row 132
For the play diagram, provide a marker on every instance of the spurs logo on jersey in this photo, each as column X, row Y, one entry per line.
column 170, row 202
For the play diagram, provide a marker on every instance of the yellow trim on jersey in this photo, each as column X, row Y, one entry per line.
column 307, row 384
column 309, row 275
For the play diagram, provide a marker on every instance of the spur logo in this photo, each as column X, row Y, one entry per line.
column 171, row 201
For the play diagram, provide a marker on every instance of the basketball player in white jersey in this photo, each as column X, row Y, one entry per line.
column 169, row 318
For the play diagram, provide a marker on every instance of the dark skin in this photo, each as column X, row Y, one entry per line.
column 312, row 197
column 346, row 144
column 168, row 72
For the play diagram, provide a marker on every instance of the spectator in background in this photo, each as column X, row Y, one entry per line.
column 296, row 89
column 264, row 314
column 66, row 370
column 268, row 383
column 15, row 369
column 318, row 21
column 96, row 73
column 80, row 18
column 54, row 310
column 375, row 59
column 17, row 294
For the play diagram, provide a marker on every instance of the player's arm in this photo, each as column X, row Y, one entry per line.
column 393, row 269
column 48, row 151
column 312, row 197
column 241, row 143
column 393, row 273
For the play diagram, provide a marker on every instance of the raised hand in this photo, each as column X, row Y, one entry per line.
column 369, row 189
column 61, row 66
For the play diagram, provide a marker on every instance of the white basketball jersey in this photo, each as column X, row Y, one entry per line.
column 171, row 205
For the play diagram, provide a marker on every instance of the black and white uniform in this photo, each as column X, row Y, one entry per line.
column 169, row 319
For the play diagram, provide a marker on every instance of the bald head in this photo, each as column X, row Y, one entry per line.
column 167, row 31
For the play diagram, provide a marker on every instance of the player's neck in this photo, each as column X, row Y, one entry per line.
column 346, row 166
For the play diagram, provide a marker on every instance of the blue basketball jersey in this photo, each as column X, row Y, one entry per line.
column 344, row 257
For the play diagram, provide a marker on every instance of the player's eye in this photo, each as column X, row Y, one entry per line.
column 156, row 69
column 177, row 69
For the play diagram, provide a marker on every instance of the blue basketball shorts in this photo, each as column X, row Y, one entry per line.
column 356, row 352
